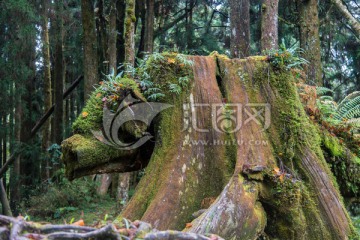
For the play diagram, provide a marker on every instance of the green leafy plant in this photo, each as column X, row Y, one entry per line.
column 174, row 88
column 323, row 91
column 345, row 115
column 286, row 57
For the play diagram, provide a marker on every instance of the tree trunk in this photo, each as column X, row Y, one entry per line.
column 122, row 195
column 149, row 26
column 189, row 23
column 4, row 200
column 240, row 28
column 105, row 181
column 223, row 167
column 59, row 75
column 310, row 40
column 130, row 20
column 91, row 74
column 269, row 25
column 46, row 134
column 120, row 22
column 113, row 34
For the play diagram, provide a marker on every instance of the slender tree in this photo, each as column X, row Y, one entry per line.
column 47, row 82
column 310, row 40
column 58, row 74
column 129, row 36
column 269, row 25
column 240, row 28
column 91, row 74
column 112, row 37
column 149, row 29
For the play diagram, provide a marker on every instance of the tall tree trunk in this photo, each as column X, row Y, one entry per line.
column 15, row 189
column 240, row 28
column 46, row 134
column 149, row 26
column 310, row 40
column 140, row 14
column 91, row 74
column 129, row 36
column 59, row 75
column 189, row 22
column 107, row 179
column 269, row 25
column 120, row 22
column 113, row 35
column 101, row 36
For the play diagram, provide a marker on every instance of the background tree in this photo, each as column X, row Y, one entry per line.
column 269, row 25
column 91, row 67
column 240, row 28
column 310, row 40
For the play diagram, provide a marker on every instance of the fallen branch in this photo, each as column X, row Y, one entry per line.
column 17, row 228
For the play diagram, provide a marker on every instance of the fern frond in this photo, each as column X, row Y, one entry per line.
column 322, row 91
column 352, row 113
column 355, row 122
column 348, row 98
column 326, row 98
column 349, row 109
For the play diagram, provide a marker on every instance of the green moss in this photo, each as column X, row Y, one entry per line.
column 85, row 152
column 91, row 117
column 332, row 144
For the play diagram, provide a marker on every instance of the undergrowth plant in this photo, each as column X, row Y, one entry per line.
column 347, row 112
column 287, row 58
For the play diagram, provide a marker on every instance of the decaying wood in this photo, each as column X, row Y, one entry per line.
column 17, row 228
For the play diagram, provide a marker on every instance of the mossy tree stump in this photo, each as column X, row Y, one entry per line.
column 282, row 188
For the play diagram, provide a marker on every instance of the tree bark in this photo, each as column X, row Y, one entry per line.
column 354, row 23
column 46, row 134
column 149, row 26
column 105, row 181
column 310, row 40
column 269, row 25
column 122, row 195
column 240, row 28
column 91, row 74
column 129, row 36
column 59, row 75
column 4, row 200
column 120, row 22
column 113, row 35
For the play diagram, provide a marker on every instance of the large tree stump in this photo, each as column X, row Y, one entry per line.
column 269, row 177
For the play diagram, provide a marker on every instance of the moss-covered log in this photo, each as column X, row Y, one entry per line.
column 272, row 182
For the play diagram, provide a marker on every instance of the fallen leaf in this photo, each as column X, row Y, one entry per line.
column 79, row 223
column 188, row 225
